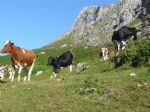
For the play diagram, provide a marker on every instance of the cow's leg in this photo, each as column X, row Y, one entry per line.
column 56, row 70
column 30, row 70
column 124, row 43
column 25, row 73
column 13, row 71
column 53, row 74
column 19, row 72
column 25, row 78
column 70, row 68
column 118, row 46
column 10, row 75
column 13, row 74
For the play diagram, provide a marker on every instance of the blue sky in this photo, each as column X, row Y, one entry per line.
column 34, row 23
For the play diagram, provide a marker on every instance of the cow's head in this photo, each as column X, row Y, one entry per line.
column 115, row 37
column 50, row 61
column 104, row 53
column 7, row 47
column 1, row 76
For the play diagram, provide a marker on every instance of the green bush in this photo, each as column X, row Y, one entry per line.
column 135, row 54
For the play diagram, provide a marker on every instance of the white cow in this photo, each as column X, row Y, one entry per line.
column 7, row 69
column 11, row 72
column 2, row 73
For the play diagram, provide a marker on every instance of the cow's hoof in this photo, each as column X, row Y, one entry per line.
column 51, row 78
column 28, row 80
column 25, row 78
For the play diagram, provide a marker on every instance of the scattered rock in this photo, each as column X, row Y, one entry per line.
column 86, row 47
column 139, row 85
column 145, row 83
column 60, row 79
column 84, row 90
column 80, row 67
column 42, row 53
column 64, row 45
column 107, row 95
column 39, row 73
column 142, row 84
column 132, row 74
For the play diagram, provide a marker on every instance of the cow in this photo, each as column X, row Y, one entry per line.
column 122, row 35
column 4, row 69
column 103, row 54
column 21, row 58
column 63, row 60
column 2, row 73
column 11, row 71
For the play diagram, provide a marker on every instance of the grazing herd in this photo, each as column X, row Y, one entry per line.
column 23, row 59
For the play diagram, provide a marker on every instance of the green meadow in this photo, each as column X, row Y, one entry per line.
column 128, row 94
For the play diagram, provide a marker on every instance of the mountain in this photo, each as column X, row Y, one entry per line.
column 95, row 24
column 146, row 19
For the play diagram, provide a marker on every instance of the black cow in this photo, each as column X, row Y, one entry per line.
column 121, row 36
column 63, row 60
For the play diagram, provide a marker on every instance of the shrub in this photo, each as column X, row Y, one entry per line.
column 107, row 66
column 135, row 54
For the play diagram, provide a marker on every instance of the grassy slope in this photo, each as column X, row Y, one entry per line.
column 45, row 95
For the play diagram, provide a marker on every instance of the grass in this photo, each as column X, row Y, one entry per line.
column 45, row 95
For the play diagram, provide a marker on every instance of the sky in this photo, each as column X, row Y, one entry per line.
column 31, row 24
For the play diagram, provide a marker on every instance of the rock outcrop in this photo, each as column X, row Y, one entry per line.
column 146, row 18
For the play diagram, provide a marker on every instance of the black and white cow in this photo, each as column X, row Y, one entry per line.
column 2, row 73
column 121, row 36
column 63, row 60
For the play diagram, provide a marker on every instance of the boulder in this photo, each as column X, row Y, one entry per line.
column 80, row 67
column 39, row 73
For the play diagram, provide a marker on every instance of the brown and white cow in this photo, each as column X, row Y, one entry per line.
column 21, row 58
column 103, row 54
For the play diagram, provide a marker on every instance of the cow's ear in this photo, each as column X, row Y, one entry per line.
column 12, row 44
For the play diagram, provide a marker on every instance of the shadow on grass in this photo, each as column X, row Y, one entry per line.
column 3, row 82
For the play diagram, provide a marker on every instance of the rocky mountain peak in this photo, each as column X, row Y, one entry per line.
column 95, row 24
